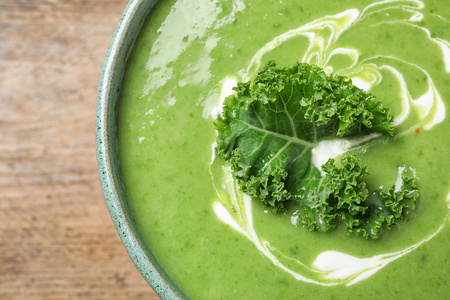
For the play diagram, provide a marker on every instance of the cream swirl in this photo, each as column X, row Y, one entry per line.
column 425, row 110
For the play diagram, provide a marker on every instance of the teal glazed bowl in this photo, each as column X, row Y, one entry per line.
column 106, row 146
column 174, row 205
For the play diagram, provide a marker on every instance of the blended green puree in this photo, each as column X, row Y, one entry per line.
column 185, row 61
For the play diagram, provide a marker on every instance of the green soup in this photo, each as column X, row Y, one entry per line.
column 212, row 241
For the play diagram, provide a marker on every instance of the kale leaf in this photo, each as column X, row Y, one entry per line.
column 267, row 132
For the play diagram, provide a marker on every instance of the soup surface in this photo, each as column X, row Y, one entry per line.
column 215, row 243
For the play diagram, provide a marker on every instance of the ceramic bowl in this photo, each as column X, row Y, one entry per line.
column 106, row 143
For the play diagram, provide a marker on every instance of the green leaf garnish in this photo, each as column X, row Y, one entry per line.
column 267, row 132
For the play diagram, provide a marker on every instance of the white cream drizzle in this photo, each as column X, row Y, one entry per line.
column 234, row 208
column 448, row 201
column 399, row 181
column 351, row 269
column 318, row 43
column 429, row 106
column 227, row 90
column 328, row 149
column 335, row 148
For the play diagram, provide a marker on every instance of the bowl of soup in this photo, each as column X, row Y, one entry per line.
column 188, row 228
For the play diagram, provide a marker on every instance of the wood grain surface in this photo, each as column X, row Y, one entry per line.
column 57, row 240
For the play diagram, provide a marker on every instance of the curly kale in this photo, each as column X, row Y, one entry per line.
column 267, row 132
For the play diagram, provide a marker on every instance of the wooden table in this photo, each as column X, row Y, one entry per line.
column 57, row 240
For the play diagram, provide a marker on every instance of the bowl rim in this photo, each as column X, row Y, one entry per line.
column 121, row 44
